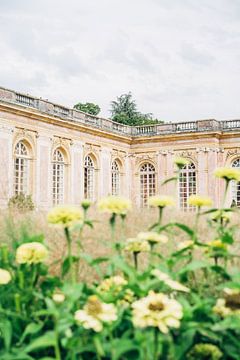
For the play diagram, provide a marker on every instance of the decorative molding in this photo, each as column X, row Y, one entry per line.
column 207, row 149
column 233, row 152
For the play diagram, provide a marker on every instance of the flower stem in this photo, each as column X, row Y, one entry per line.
column 69, row 253
column 56, row 346
column 135, row 259
column 155, row 344
column 160, row 214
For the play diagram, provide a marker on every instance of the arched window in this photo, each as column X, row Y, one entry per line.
column 21, row 169
column 235, row 186
column 89, row 185
column 58, row 177
column 147, row 183
column 187, row 186
column 115, row 178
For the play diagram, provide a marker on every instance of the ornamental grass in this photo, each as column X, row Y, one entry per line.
column 121, row 284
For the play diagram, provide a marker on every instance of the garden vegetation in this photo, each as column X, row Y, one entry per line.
column 143, row 304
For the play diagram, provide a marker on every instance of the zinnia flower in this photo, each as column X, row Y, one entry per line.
column 217, row 245
column 205, row 351
column 221, row 215
column 185, row 245
column 114, row 284
column 95, row 313
column 157, row 310
column 136, row 245
column 58, row 297
column 65, row 215
column 152, row 237
column 227, row 173
column 31, row 253
column 5, row 277
column 161, row 201
column 181, row 162
column 174, row 285
column 199, row 201
column 114, row 205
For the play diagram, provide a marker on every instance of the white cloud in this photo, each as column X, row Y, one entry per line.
column 179, row 59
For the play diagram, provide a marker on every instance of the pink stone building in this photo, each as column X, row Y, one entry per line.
column 61, row 155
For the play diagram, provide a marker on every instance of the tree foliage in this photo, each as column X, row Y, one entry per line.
column 89, row 108
column 124, row 110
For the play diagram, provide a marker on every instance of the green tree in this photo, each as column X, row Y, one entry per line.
column 124, row 110
column 89, row 108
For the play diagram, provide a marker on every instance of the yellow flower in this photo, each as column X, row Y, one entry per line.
column 65, row 215
column 217, row 245
column 153, row 237
column 58, row 298
column 114, row 205
column 128, row 298
column 114, row 284
column 226, row 307
column 95, row 313
column 181, row 162
column 185, row 244
column 161, row 201
column 227, row 173
column 197, row 200
column 5, row 277
column 136, row 245
column 157, row 310
column 174, row 285
column 221, row 215
column 31, row 253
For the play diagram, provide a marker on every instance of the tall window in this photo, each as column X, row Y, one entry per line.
column 147, row 183
column 236, row 186
column 58, row 177
column 89, row 178
column 21, row 169
column 187, row 186
column 115, row 178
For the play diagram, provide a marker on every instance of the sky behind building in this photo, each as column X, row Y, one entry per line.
column 180, row 59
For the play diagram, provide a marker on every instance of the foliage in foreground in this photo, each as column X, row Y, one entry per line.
column 176, row 307
column 21, row 202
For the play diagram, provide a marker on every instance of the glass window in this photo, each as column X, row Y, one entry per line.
column 115, row 179
column 235, row 186
column 58, row 177
column 21, row 169
column 89, row 178
column 147, row 183
column 187, row 186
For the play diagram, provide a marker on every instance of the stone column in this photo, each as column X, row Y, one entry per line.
column 6, row 161
column 77, row 173
column 43, row 188
column 104, row 184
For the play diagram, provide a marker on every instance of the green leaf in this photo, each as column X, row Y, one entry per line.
column 123, row 347
column 227, row 238
column 45, row 341
column 174, row 178
column 67, row 263
column 6, row 332
column 31, row 329
column 194, row 265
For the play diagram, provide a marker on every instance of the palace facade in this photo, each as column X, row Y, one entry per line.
column 61, row 155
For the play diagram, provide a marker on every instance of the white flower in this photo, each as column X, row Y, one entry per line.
column 157, row 310
column 152, row 237
column 174, row 285
column 95, row 313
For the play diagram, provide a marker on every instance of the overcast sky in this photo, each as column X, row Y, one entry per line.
column 179, row 58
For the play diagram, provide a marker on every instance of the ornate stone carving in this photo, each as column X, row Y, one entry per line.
column 233, row 152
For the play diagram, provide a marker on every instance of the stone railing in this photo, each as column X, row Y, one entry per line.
column 46, row 107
